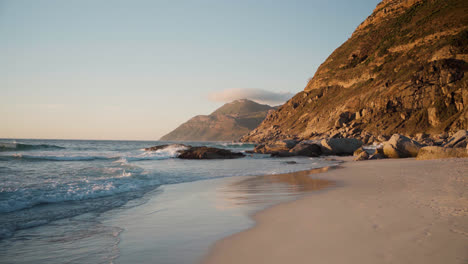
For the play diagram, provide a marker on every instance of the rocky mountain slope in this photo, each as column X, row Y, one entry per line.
column 229, row 122
column 404, row 70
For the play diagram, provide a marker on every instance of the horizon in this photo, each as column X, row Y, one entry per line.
column 149, row 140
column 137, row 70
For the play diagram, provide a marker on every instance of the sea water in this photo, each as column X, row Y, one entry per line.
column 53, row 191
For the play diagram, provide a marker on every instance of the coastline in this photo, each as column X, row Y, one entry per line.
column 383, row 211
column 179, row 223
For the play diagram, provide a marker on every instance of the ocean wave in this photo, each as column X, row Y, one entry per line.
column 73, row 191
column 45, row 213
column 169, row 152
column 165, row 153
column 55, row 158
column 29, row 206
column 5, row 146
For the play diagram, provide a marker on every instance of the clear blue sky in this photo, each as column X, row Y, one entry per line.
column 136, row 69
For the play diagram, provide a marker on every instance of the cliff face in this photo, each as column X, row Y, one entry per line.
column 402, row 71
column 227, row 123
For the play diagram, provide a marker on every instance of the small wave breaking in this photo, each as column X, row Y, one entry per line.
column 5, row 146
column 55, row 158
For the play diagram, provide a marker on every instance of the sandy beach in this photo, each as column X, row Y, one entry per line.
column 179, row 223
column 385, row 211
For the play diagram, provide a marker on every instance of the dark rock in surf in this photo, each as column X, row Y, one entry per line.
column 156, row 148
column 208, row 153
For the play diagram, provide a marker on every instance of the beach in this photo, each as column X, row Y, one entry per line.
column 180, row 222
column 114, row 202
column 383, row 211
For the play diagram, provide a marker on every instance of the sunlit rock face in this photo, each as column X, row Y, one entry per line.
column 404, row 70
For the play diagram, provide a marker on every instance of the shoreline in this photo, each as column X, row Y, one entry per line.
column 385, row 211
column 180, row 222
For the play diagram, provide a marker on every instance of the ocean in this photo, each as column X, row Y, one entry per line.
column 56, row 191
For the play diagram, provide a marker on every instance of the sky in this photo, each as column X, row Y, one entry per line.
column 136, row 69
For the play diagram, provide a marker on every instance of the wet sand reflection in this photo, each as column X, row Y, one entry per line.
column 270, row 189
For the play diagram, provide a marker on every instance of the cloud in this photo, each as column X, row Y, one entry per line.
column 257, row 95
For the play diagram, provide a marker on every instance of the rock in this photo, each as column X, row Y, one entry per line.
column 282, row 154
column 443, row 135
column 306, row 149
column 376, row 156
column 259, row 149
column 458, row 140
column 362, row 156
column 433, row 117
column 439, row 142
column 275, row 147
column 382, row 138
column 427, row 141
column 401, row 147
column 433, row 152
column 358, row 151
column 338, row 123
column 340, row 146
column 358, row 115
column 420, row 137
column 365, row 138
column 336, row 135
column 156, row 148
column 379, row 150
column 208, row 153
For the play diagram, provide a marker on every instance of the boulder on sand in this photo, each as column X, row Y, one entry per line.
column 358, row 151
column 306, row 149
column 275, row 147
column 376, row 156
column 433, row 152
column 208, row 153
column 340, row 146
column 362, row 156
column 458, row 140
column 400, row 146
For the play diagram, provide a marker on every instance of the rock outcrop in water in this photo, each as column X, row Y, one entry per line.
column 402, row 71
column 202, row 152
column 227, row 123
column 160, row 147
column 208, row 153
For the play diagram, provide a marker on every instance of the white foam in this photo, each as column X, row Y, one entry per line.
column 60, row 157
column 169, row 152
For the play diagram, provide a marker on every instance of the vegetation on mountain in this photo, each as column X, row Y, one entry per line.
column 402, row 71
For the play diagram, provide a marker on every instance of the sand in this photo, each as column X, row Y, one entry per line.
column 178, row 223
column 384, row 211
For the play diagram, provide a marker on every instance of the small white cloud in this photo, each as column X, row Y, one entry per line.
column 257, row 95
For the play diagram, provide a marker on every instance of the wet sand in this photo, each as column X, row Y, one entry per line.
column 179, row 223
column 384, row 211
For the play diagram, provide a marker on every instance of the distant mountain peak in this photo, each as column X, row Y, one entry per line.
column 227, row 123
column 241, row 107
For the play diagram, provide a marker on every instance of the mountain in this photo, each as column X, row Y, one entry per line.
column 403, row 70
column 229, row 122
